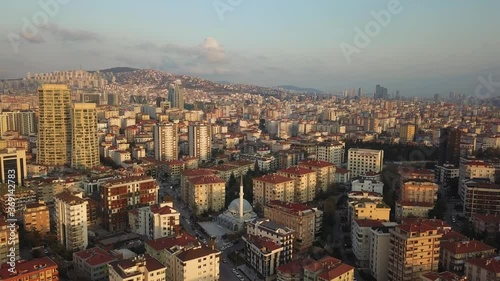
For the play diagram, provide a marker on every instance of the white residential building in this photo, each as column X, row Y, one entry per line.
column 71, row 220
column 332, row 152
column 155, row 221
column 166, row 142
column 474, row 169
column 380, row 238
column 368, row 185
column 361, row 161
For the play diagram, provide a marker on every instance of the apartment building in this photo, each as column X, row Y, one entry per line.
column 121, row 195
column 139, row 268
column 84, row 141
column 325, row 173
column 367, row 185
column 360, row 238
column 206, row 193
column 41, row 269
column 419, row 191
column 489, row 223
column 361, row 161
column 332, row 152
column 293, row 271
column 304, row 220
column 188, row 174
column 483, row 269
column 200, row 141
column 272, row 187
column 264, row 255
column 36, row 217
column 92, row 264
column 166, row 142
column 21, row 196
column 414, row 250
column 71, row 220
column 368, row 209
column 481, row 197
column 407, row 132
column 328, row 269
column 279, row 234
column 379, row 255
column 454, row 254
column 155, row 221
column 198, row 263
column 9, row 238
column 474, row 169
column 305, row 183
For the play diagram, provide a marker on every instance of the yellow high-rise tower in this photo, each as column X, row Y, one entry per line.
column 84, row 143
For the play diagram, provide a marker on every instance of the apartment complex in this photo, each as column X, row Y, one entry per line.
column 36, row 217
column 483, row 269
column 361, row 161
column 93, row 264
column 71, row 220
column 84, row 140
column 166, row 142
column 414, row 250
column 13, row 166
column 305, row 221
column 455, row 253
column 155, row 221
column 206, row 193
column 367, row 185
column 41, row 269
column 305, row 183
column 332, row 152
column 272, row 187
column 140, row 268
column 200, row 141
column 121, row 195
column 54, row 125
column 325, row 173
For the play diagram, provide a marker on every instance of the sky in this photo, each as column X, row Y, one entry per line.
column 417, row 47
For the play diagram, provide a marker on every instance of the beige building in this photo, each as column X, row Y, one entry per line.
column 379, row 254
column 200, row 141
column 455, row 253
column 272, row 187
column 483, row 269
column 368, row 209
column 361, row 161
column 93, row 264
column 332, row 152
column 166, row 142
column 206, row 193
column 84, row 141
column 9, row 238
column 54, row 126
column 407, row 132
column 414, row 250
column 36, row 216
column 140, row 268
column 188, row 174
column 185, row 258
column 71, row 220
column 13, row 165
column 325, row 173
column 474, row 169
column 155, row 221
column 328, row 269
column 304, row 220
column 305, row 183
column 419, row 191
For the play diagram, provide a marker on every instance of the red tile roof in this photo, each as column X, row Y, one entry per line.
column 169, row 242
column 26, row 268
column 336, row 272
column 488, row 264
column 196, row 253
column 273, row 178
column 290, row 207
column 296, row 171
column 325, row 262
column 443, row 276
column 295, row 267
column 263, row 243
column 206, row 180
column 487, row 218
column 197, row 172
column 464, row 247
column 95, row 256
column 316, row 163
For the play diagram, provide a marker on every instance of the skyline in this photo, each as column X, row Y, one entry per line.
column 420, row 52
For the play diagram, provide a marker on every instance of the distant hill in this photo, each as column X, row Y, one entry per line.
column 115, row 70
column 299, row 89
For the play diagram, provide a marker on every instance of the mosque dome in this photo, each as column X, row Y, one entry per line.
column 234, row 207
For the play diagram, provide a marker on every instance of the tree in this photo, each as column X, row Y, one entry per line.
column 232, row 189
column 439, row 209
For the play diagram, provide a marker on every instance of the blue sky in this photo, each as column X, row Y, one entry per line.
column 427, row 47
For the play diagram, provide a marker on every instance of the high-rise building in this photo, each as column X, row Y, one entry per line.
column 176, row 95
column 112, row 98
column 200, row 141
column 13, row 165
column 71, row 220
column 407, row 132
column 54, row 129
column 449, row 146
column 166, row 142
column 36, row 216
column 26, row 122
column 414, row 250
column 360, row 161
column 380, row 92
column 84, row 141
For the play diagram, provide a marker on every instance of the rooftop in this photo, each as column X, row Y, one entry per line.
column 464, row 247
column 26, row 268
column 273, row 178
column 196, row 253
column 168, row 242
column 95, row 256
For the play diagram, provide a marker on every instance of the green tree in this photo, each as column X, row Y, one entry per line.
column 439, row 209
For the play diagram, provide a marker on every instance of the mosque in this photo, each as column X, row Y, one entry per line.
column 237, row 213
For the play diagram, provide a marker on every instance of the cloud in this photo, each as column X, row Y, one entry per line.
column 66, row 34
column 212, row 51
column 35, row 39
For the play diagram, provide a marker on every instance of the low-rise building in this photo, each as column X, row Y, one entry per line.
column 328, row 269
column 93, row 264
column 454, row 254
column 483, row 269
column 489, row 223
column 293, row 271
column 140, row 268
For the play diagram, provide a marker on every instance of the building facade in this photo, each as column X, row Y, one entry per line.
column 71, row 220
column 361, row 161
column 84, row 141
column 166, row 142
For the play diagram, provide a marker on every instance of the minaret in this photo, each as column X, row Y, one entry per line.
column 241, row 197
